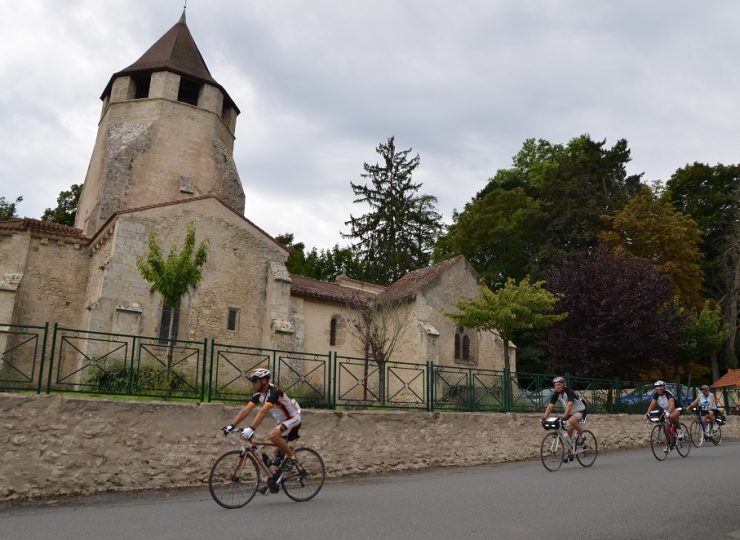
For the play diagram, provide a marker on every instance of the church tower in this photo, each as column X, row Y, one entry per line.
column 166, row 133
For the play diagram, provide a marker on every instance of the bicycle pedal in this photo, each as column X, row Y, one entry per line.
column 262, row 490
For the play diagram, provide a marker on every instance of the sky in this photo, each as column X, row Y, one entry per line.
column 321, row 83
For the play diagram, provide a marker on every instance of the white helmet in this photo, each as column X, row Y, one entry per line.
column 659, row 383
column 558, row 379
column 259, row 373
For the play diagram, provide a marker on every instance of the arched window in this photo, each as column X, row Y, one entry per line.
column 463, row 345
column 457, row 346
column 333, row 332
column 466, row 348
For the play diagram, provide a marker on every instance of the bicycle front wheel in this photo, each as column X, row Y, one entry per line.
column 234, row 479
column 304, row 479
column 587, row 451
column 697, row 433
column 683, row 446
column 659, row 443
column 552, row 452
column 716, row 437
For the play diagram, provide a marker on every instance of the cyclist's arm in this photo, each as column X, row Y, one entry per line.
column 694, row 403
column 261, row 415
column 671, row 405
column 568, row 408
column 241, row 415
column 548, row 410
column 651, row 405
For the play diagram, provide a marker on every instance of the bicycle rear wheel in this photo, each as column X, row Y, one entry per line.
column 552, row 452
column 683, row 446
column 586, row 453
column 304, row 479
column 659, row 443
column 234, row 479
column 716, row 437
column 697, row 433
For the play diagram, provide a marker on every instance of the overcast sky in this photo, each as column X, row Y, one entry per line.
column 320, row 83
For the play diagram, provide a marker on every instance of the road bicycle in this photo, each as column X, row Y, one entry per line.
column 236, row 475
column 663, row 437
column 557, row 442
column 698, row 428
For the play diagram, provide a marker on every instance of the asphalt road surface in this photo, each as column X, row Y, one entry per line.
column 624, row 495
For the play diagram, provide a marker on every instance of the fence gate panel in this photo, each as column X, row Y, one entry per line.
column 231, row 366
column 22, row 354
column 405, row 384
column 451, row 388
column 304, row 377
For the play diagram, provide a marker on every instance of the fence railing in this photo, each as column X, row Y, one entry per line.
column 40, row 358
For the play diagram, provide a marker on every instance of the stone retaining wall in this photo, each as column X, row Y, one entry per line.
column 60, row 445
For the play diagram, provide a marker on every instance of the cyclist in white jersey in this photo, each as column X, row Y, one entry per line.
column 667, row 401
column 575, row 408
column 708, row 406
column 285, row 412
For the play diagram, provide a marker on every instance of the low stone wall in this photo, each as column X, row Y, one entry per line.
column 57, row 445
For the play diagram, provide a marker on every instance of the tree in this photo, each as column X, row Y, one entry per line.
column 8, row 210
column 705, row 335
column 621, row 315
column 174, row 276
column 399, row 231
column 66, row 209
column 325, row 265
column 377, row 325
column 513, row 308
column 711, row 196
column 650, row 228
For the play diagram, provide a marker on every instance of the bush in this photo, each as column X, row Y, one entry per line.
column 113, row 377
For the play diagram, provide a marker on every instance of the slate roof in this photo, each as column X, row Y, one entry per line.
column 729, row 379
column 45, row 228
column 177, row 52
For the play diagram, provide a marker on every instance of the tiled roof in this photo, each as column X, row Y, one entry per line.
column 406, row 287
column 46, row 228
column 177, row 52
column 323, row 290
column 731, row 379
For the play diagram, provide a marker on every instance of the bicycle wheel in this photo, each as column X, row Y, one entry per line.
column 659, row 443
column 304, row 479
column 697, row 433
column 586, row 453
column 716, row 437
column 233, row 481
column 683, row 446
column 552, row 452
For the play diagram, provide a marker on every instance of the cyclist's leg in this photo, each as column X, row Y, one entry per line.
column 278, row 433
column 573, row 423
column 710, row 418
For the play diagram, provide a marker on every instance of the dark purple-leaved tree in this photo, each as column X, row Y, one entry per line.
column 621, row 316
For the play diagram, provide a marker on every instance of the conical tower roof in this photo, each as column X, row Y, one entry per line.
column 177, row 52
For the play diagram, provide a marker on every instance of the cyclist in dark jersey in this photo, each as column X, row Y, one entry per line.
column 575, row 407
column 285, row 412
column 667, row 401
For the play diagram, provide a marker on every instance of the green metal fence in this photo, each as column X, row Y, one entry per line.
column 60, row 359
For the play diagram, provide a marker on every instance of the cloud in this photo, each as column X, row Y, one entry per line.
column 321, row 83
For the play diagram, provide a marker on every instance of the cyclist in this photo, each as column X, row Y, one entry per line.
column 575, row 410
column 708, row 407
column 285, row 412
column 667, row 401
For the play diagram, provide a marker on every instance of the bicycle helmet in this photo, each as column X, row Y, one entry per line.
column 558, row 379
column 659, row 384
column 704, row 387
column 259, row 373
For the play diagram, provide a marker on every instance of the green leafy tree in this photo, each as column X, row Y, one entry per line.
column 513, row 308
column 650, row 228
column 705, row 335
column 173, row 276
column 8, row 209
column 398, row 232
column 711, row 196
column 325, row 265
column 66, row 209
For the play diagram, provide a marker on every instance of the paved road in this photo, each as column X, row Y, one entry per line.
column 624, row 495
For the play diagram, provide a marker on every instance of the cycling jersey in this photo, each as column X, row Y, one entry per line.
column 706, row 401
column 568, row 395
column 284, row 411
column 662, row 401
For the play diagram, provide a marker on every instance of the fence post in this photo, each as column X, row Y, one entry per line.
column 508, row 400
column 726, row 395
column 617, row 395
column 210, row 371
column 202, row 395
column 333, row 367
column 130, row 384
column 43, row 355
column 51, row 357
column 430, row 386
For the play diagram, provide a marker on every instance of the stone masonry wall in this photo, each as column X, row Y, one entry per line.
column 60, row 445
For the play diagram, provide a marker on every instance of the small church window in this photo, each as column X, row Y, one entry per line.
column 169, row 315
column 466, row 348
column 232, row 323
column 457, row 346
column 463, row 345
column 141, row 85
column 189, row 91
column 333, row 332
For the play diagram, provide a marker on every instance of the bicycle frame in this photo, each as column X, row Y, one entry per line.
column 250, row 447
